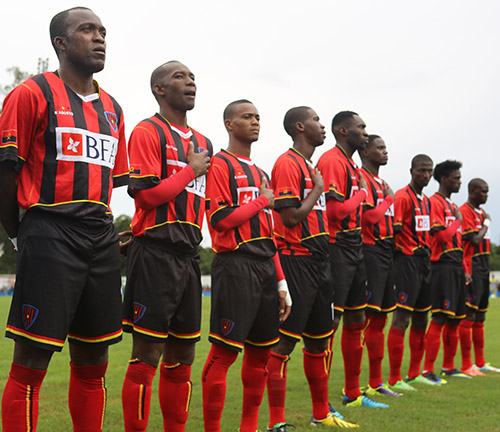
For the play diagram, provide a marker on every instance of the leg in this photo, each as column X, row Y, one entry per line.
column 317, row 375
column 395, row 343
column 450, row 343
column 478, row 338
column 374, row 338
column 352, row 350
column 433, row 342
column 417, row 342
column 465, row 333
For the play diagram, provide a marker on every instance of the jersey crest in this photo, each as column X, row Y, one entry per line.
column 226, row 326
column 139, row 311
column 29, row 315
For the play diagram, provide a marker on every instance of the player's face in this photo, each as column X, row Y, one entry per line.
column 421, row 174
column 376, row 152
column 453, row 181
column 313, row 129
column 85, row 44
column 245, row 123
column 357, row 137
column 480, row 194
column 178, row 87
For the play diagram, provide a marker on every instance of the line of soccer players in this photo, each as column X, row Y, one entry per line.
column 332, row 238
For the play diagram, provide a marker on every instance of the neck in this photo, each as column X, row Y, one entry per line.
column 304, row 148
column 79, row 81
column 370, row 166
column 444, row 192
column 174, row 116
column 473, row 203
column 347, row 148
column 418, row 189
column 239, row 147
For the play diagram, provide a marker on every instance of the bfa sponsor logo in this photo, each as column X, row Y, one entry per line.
column 80, row 145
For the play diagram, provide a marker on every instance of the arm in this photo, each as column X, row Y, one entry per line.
column 337, row 210
column 373, row 215
column 444, row 235
column 479, row 237
column 242, row 214
column 9, row 209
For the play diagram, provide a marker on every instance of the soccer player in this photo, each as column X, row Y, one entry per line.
column 162, row 306
column 412, row 273
column 476, row 237
column 301, row 229
column 62, row 152
column 245, row 308
column 448, row 276
column 346, row 190
column 378, row 246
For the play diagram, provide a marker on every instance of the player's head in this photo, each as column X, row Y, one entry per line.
column 172, row 83
column 242, row 121
column 448, row 175
column 375, row 151
column 478, row 191
column 304, row 121
column 421, row 170
column 348, row 128
column 78, row 36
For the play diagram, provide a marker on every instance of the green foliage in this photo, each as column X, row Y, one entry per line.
column 7, row 254
column 206, row 258
column 495, row 257
column 122, row 223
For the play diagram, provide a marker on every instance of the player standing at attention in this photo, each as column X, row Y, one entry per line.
column 345, row 191
column 245, row 307
column 301, row 230
column 412, row 273
column 378, row 247
column 476, row 238
column 448, row 276
column 62, row 152
column 162, row 305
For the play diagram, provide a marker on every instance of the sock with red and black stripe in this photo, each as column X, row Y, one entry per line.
column 465, row 333
column 375, row 341
column 352, row 351
column 395, row 346
column 433, row 344
column 478, row 339
column 20, row 398
column 276, row 388
column 136, row 395
column 417, row 350
column 315, row 368
column 450, row 345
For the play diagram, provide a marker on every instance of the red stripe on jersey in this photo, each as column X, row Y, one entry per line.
column 232, row 182
column 473, row 220
column 291, row 182
column 376, row 195
column 341, row 183
column 412, row 221
column 442, row 216
column 160, row 151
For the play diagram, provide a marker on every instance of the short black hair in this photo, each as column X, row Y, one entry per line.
column 342, row 118
column 444, row 169
column 59, row 24
column 420, row 158
column 294, row 116
column 231, row 108
column 476, row 183
column 158, row 74
column 372, row 138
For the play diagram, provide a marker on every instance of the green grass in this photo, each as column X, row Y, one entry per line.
column 462, row 405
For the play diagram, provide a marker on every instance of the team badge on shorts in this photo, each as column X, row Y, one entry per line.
column 29, row 315
column 403, row 297
column 226, row 326
column 112, row 120
column 368, row 295
column 138, row 311
column 472, row 298
column 446, row 304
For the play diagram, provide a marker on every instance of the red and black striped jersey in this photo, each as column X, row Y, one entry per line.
column 70, row 150
column 442, row 216
column 412, row 222
column 341, row 183
column 233, row 181
column 158, row 150
column 383, row 229
column 291, row 182
column 477, row 257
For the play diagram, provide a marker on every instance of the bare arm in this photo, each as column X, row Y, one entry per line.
column 9, row 209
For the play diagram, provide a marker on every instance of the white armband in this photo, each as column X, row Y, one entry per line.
column 487, row 223
column 14, row 242
column 283, row 286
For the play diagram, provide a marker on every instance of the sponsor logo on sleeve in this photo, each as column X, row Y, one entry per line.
column 9, row 136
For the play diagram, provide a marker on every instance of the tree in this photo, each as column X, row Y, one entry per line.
column 206, row 258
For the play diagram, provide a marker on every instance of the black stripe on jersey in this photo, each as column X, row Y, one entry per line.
column 48, row 182
column 254, row 220
column 348, row 191
column 105, row 129
column 196, row 201
column 376, row 226
column 306, row 231
column 414, row 200
column 81, row 169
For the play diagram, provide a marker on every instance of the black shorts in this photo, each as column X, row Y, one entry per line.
column 245, row 306
column 163, row 294
column 448, row 289
column 412, row 277
column 68, row 283
column 349, row 277
column 380, row 291
column 478, row 292
column 309, row 280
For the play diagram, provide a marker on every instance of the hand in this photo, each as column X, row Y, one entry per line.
column 388, row 191
column 284, row 310
column 486, row 215
column 269, row 194
column 200, row 162
column 468, row 279
column 362, row 182
column 124, row 245
column 316, row 178
column 458, row 214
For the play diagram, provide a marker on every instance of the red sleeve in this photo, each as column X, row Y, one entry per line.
column 218, row 195
column 285, row 182
column 400, row 209
column 442, row 236
column 373, row 215
column 469, row 228
column 467, row 265
column 334, row 176
column 337, row 210
column 242, row 214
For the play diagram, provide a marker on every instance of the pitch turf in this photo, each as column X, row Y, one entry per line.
column 461, row 405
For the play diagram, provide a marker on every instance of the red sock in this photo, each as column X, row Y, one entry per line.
column 465, row 332
column 417, row 350
column 315, row 368
column 276, row 388
column 175, row 395
column 374, row 339
column 395, row 346
column 433, row 343
column 254, row 377
column 478, row 339
column 352, row 351
column 450, row 344
column 136, row 395
column 329, row 352
column 213, row 382
column 87, row 397
column 20, row 398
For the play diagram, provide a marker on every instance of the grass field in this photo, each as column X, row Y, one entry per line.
column 462, row 405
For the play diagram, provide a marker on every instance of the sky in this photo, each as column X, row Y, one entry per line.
column 423, row 75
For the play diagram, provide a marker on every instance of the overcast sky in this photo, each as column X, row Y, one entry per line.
column 423, row 75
